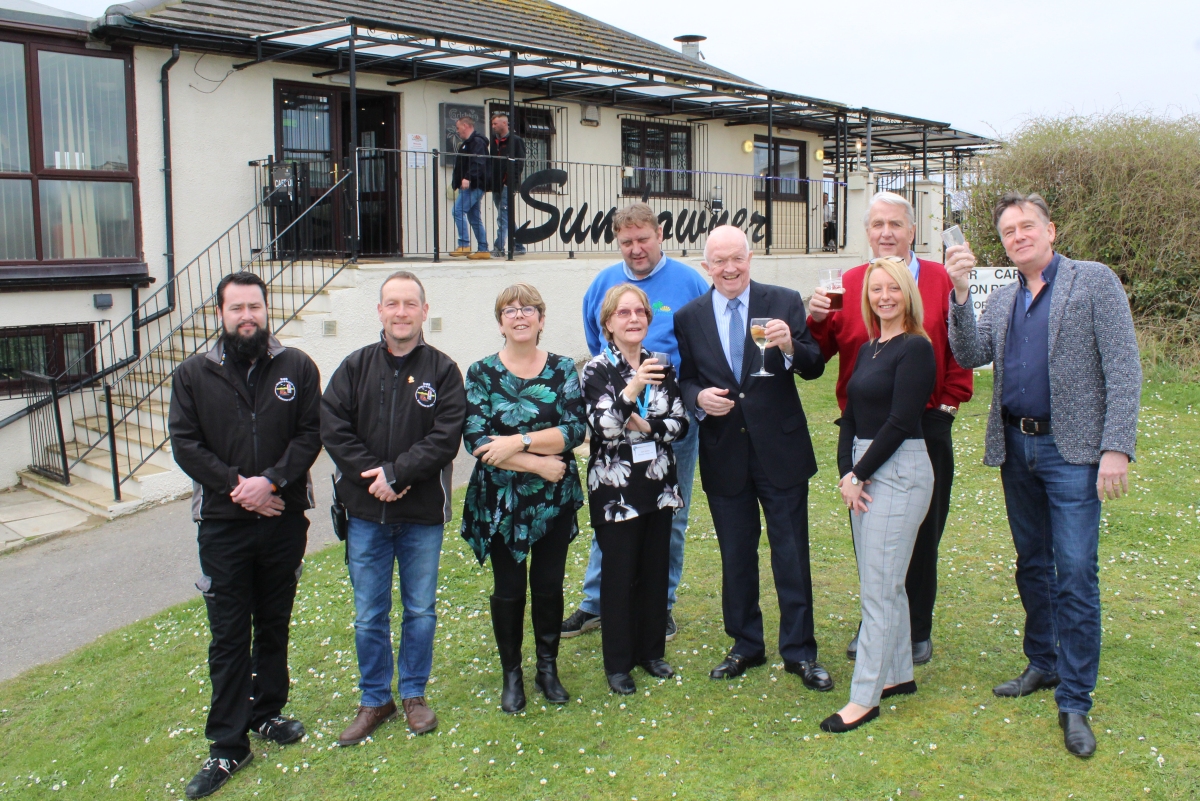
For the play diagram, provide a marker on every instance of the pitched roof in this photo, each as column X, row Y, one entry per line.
column 534, row 23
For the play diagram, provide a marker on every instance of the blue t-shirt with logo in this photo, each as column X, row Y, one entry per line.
column 669, row 286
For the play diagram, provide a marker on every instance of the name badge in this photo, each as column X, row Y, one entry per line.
column 644, row 451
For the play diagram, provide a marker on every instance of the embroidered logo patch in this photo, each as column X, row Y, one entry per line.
column 659, row 307
column 426, row 395
column 285, row 390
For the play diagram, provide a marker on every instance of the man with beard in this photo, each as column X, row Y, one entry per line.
column 245, row 425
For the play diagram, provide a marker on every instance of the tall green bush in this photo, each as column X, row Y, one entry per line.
column 1123, row 190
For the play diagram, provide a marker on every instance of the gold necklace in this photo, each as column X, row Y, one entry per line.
column 879, row 348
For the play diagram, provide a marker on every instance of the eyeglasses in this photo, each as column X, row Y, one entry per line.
column 625, row 314
column 525, row 311
column 736, row 261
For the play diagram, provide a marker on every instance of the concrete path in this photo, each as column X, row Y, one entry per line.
column 62, row 594
column 28, row 517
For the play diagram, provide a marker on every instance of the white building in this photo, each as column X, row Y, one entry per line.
column 145, row 154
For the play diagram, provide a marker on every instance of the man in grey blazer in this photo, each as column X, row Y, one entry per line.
column 1062, row 427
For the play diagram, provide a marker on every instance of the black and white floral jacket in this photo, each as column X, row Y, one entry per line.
column 620, row 488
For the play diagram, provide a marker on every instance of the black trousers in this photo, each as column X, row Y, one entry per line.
column 634, row 566
column 250, row 572
column 738, row 531
column 544, row 567
column 921, row 582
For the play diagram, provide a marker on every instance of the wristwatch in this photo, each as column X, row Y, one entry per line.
column 854, row 479
column 526, row 440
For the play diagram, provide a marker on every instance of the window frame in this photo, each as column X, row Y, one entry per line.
column 55, row 351
column 669, row 174
column 33, row 44
column 773, row 162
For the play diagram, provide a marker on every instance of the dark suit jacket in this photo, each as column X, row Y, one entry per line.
column 767, row 411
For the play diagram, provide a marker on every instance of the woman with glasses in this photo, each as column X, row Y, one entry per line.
column 635, row 410
column 887, row 481
column 525, row 416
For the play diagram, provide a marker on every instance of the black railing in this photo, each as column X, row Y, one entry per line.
column 296, row 246
column 46, row 427
column 567, row 207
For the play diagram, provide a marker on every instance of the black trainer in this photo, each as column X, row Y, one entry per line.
column 672, row 629
column 281, row 730
column 579, row 622
column 214, row 773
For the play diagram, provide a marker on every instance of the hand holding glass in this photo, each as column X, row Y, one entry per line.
column 758, row 331
column 953, row 236
column 831, row 282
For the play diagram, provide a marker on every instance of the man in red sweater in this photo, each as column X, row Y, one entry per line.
column 891, row 226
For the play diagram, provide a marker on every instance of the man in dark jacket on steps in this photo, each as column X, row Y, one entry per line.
column 471, row 177
column 245, row 426
column 391, row 420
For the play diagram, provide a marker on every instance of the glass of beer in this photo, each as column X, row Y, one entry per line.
column 758, row 332
column 831, row 282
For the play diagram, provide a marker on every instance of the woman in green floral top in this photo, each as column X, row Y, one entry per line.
column 525, row 416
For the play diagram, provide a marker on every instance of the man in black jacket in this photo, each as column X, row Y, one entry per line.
column 245, row 426
column 506, row 176
column 754, row 449
column 391, row 420
column 471, row 178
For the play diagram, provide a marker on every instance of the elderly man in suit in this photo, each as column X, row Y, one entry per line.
column 1061, row 428
column 754, row 449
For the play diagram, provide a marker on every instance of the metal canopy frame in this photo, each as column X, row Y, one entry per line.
column 412, row 53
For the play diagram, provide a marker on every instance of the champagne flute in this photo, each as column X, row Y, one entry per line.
column 758, row 331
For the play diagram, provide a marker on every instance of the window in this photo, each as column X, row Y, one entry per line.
column 661, row 156
column 67, row 178
column 48, row 350
column 535, row 125
column 788, row 167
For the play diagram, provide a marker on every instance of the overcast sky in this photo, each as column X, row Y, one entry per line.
column 981, row 66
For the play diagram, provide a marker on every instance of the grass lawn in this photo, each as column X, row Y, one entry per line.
column 124, row 717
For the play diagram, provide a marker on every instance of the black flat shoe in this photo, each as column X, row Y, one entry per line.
column 1028, row 682
column 658, row 668
column 814, row 676
column 735, row 665
column 1077, row 734
column 903, row 688
column 621, row 683
column 922, row 652
column 835, row 725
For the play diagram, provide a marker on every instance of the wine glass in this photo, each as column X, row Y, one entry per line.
column 758, row 331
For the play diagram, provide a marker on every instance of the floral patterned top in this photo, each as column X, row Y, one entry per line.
column 620, row 487
column 516, row 505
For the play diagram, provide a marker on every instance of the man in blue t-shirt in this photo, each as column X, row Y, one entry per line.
column 669, row 284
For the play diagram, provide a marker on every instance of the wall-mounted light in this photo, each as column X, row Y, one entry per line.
column 716, row 201
column 748, row 146
column 819, row 155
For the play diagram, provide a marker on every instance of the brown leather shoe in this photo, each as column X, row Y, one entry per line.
column 420, row 717
column 368, row 719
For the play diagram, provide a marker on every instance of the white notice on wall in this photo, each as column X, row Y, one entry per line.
column 418, row 144
column 985, row 281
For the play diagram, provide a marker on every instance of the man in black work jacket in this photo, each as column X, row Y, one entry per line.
column 506, row 175
column 245, row 426
column 391, row 420
column 471, row 177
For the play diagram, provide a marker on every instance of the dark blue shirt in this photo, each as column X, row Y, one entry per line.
column 1027, row 350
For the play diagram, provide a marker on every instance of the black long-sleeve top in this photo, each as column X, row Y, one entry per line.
column 885, row 399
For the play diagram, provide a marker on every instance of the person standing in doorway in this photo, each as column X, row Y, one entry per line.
column 470, row 178
column 506, row 175
column 245, row 427
column 391, row 418
column 670, row 285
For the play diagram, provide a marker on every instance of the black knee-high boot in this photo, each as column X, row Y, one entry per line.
column 547, row 629
column 508, row 623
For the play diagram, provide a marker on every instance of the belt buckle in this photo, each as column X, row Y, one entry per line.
column 1032, row 425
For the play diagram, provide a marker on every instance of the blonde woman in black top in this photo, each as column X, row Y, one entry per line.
column 635, row 410
column 887, row 481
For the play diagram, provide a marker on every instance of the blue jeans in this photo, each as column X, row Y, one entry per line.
column 467, row 209
column 687, row 450
column 373, row 548
column 1054, row 514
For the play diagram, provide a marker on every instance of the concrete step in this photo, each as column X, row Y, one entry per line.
column 96, row 467
column 139, row 437
column 80, row 493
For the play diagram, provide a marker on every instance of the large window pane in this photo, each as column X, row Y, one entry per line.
column 790, row 169
column 14, row 122
column 86, row 220
column 16, row 220
column 306, row 126
column 83, row 112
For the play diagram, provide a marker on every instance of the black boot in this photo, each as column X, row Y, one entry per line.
column 508, row 623
column 547, row 629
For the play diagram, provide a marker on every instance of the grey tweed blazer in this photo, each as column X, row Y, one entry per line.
column 1095, row 369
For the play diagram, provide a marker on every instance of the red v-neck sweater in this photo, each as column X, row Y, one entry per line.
column 843, row 333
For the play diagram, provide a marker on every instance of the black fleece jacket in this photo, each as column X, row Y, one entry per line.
column 405, row 417
column 218, row 431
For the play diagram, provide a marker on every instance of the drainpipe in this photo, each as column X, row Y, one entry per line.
column 168, row 202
